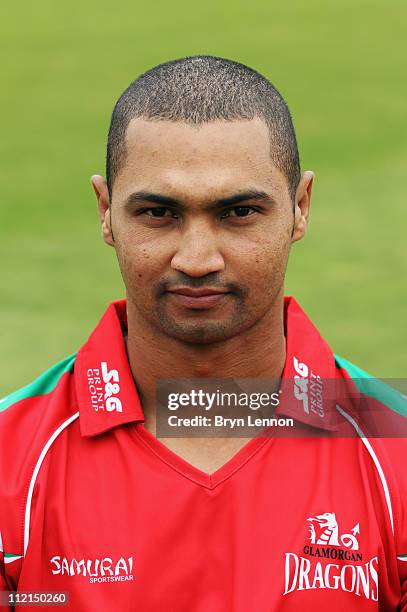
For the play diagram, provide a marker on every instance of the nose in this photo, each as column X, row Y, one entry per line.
column 198, row 251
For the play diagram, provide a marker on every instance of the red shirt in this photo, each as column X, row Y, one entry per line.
column 93, row 504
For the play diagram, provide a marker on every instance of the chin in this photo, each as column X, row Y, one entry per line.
column 199, row 333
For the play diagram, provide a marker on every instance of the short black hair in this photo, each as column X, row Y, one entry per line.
column 199, row 89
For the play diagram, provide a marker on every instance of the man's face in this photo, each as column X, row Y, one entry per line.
column 202, row 224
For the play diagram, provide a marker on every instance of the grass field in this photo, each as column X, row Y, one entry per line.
column 341, row 67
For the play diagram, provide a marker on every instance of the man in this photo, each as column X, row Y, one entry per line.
column 203, row 200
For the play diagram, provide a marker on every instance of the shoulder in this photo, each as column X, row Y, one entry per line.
column 30, row 414
column 380, row 392
column 28, row 417
column 41, row 386
column 383, row 408
column 379, row 408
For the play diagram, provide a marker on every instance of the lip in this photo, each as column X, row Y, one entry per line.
column 196, row 292
column 198, row 298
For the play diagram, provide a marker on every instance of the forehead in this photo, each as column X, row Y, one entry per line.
column 217, row 156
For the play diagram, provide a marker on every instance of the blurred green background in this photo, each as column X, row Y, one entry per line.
column 341, row 67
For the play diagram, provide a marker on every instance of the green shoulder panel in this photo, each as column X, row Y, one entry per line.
column 42, row 385
column 373, row 387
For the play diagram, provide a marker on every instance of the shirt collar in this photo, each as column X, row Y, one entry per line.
column 105, row 387
column 309, row 376
column 107, row 393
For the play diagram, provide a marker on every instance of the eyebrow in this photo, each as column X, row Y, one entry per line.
column 156, row 198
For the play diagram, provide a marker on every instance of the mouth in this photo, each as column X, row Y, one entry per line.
column 198, row 298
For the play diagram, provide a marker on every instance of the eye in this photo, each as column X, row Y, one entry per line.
column 159, row 212
column 238, row 211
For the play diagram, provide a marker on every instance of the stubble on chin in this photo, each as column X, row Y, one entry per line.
column 204, row 328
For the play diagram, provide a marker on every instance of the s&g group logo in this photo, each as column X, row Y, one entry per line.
column 104, row 387
column 308, row 388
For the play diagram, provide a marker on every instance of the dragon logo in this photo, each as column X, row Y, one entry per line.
column 324, row 530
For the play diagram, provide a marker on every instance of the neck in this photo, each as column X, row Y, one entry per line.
column 259, row 352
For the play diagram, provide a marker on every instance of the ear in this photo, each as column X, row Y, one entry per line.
column 102, row 196
column 302, row 205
